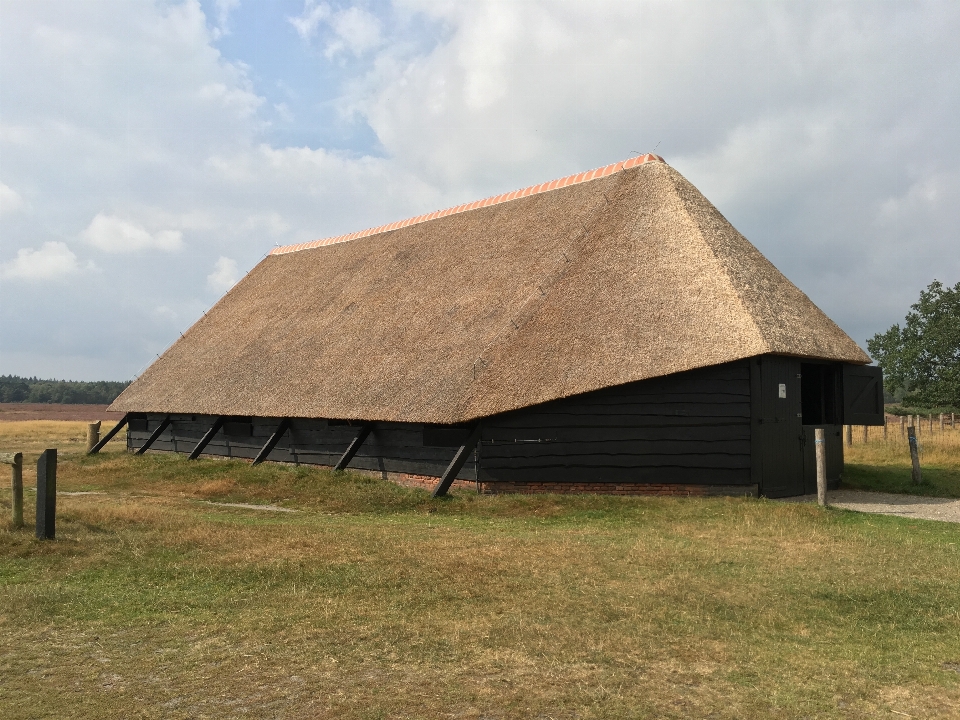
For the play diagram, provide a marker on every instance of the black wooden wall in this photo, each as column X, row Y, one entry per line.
column 391, row 447
column 689, row 428
column 740, row 424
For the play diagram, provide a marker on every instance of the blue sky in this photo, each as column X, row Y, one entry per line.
column 152, row 152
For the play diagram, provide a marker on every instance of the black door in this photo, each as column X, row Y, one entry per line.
column 779, row 427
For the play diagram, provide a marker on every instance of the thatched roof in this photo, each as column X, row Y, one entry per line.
column 622, row 274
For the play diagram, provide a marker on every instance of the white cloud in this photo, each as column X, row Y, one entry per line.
column 10, row 200
column 224, row 276
column 353, row 30
column 356, row 31
column 307, row 22
column 224, row 8
column 114, row 235
column 52, row 261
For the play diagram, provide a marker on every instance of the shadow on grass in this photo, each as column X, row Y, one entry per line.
column 937, row 481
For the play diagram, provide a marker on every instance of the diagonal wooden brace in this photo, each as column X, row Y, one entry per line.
column 450, row 474
column 156, row 433
column 354, row 447
column 109, row 436
column 207, row 437
column 272, row 442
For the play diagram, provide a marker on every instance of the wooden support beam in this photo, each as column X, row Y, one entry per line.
column 109, row 436
column 156, row 433
column 207, row 437
column 354, row 447
column 450, row 474
column 272, row 442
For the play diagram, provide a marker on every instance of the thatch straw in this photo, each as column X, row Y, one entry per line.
column 629, row 276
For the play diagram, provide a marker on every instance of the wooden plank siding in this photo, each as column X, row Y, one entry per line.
column 689, row 428
column 390, row 448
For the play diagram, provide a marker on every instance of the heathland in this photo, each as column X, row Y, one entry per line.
column 345, row 596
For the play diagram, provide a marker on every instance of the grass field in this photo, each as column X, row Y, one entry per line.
column 372, row 601
column 884, row 465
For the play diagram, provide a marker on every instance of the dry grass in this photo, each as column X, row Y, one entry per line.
column 885, row 465
column 375, row 602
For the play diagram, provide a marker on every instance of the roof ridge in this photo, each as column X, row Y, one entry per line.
column 575, row 179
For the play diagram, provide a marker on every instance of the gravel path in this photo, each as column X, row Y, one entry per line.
column 911, row 506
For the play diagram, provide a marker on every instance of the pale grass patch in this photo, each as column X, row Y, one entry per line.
column 936, row 448
column 374, row 602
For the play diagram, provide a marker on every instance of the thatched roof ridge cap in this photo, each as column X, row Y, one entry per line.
column 556, row 184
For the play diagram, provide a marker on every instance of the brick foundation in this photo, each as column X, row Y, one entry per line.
column 427, row 482
column 661, row 489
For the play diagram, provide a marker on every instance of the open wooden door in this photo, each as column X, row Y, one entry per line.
column 862, row 395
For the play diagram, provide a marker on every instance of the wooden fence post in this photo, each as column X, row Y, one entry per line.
column 93, row 435
column 47, row 495
column 930, row 420
column 849, row 430
column 821, row 467
column 903, row 426
column 941, row 422
column 866, row 436
column 884, row 428
column 916, row 424
column 15, row 460
column 914, row 454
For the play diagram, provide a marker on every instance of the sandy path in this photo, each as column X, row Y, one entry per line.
column 911, row 506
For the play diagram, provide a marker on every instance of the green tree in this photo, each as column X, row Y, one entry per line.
column 923, row 357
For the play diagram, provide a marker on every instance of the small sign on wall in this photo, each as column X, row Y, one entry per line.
column 782, row 392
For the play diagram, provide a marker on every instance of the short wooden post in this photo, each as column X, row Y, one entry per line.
column 930, row 419
column 915, row 419
column 884, row 428
column 903, row 426
column 93, row 435
column 941, row 422
column 15, row 461
column 47, row 495
column 866, row 436
column 849, row 429
column 821, row 467
column 914, row 454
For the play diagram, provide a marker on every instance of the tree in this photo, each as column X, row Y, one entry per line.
column 923, row 357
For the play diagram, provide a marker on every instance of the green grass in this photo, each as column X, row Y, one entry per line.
column 373, row 601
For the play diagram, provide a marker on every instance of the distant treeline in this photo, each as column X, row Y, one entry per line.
column 14, row 389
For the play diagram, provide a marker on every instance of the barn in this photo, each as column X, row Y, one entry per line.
column 605, row 332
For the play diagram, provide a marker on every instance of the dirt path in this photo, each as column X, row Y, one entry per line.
column 911, row 506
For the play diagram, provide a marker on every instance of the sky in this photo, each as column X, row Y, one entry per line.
column 152, row 152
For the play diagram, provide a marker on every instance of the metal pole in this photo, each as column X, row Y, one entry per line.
column 821, row 468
